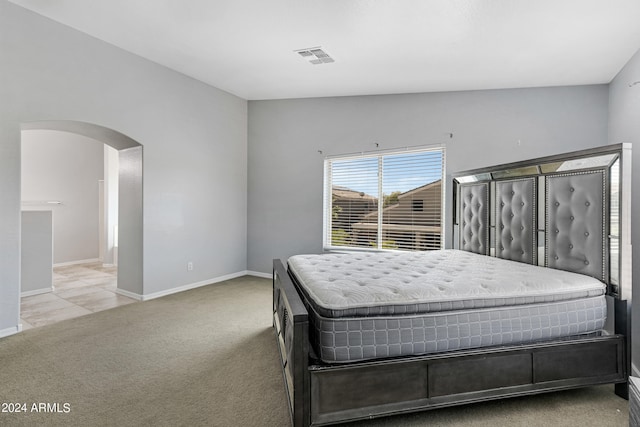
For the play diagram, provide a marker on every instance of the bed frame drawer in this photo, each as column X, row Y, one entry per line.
column 474, row 374
column 347, row 389
column 369, row 389
column 579, row 361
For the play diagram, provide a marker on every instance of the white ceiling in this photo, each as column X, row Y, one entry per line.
column 246, row 47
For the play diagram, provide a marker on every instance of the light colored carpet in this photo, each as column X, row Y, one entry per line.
column 208, row 357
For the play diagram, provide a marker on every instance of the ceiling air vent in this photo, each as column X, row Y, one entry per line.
column 315, row 55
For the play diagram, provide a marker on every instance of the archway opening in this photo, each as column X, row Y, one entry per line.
column 128, row 234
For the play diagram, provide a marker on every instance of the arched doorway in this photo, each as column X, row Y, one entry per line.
column 130, row 234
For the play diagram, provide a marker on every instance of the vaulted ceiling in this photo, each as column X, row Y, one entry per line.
column 248, row 47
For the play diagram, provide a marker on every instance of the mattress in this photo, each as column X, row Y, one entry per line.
column 376, row 305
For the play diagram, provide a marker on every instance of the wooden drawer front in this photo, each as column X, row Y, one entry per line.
column 579, row 361
column 335, row 391
column 475, row 374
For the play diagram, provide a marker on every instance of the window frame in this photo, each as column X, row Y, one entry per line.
column 327, row 203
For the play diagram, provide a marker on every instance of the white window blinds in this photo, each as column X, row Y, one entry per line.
column 385, row 201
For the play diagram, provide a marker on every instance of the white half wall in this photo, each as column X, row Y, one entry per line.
column 37, row 252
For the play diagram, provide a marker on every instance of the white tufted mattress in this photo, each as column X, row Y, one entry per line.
column 372, row 305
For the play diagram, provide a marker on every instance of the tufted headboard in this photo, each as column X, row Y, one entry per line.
column 576, row 219
column 516, row 232
column 570, row 212
column 474, row 212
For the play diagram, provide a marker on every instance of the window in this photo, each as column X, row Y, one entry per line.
column 385, row 201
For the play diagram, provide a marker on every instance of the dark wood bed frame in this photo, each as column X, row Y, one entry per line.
column 322, row 394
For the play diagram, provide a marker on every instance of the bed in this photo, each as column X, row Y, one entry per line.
column 532, row 298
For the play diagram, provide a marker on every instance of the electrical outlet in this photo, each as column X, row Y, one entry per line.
column 190, row 266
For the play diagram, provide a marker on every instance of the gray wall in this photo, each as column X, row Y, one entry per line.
column 130, row 206
column 194, row 138
column 624, row 126
column 65, row 167
column 489, row 127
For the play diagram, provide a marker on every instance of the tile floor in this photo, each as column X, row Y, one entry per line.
column 78, row 290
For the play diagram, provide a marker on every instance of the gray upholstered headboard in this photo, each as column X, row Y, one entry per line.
column 516, row 226
column 576, row 219
column 568, row 212
column 474, row 212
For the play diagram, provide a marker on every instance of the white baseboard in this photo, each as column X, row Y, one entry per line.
column 36, row 292
column 11, row 331
column 80, row 261
column 259, row 274
column 193, row 286
column 129, row 294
